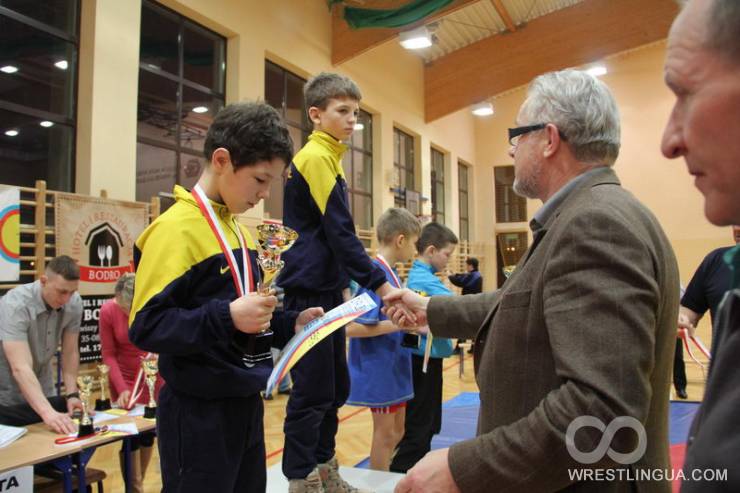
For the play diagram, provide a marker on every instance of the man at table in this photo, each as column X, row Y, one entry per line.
column 34, row 318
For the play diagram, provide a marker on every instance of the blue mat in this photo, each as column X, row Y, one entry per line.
column 460, row 419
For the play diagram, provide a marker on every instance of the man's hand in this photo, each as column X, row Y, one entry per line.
column 685, row 323
column 252, row 313
column 306, row 316
column 406, row 308
column 123, row 399
column 60, row 422
column 73, row 403
column 430, row 475
column 422, row 331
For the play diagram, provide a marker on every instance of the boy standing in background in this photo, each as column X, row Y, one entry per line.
column 379, row 367
column 318, row 267
column 424, row 412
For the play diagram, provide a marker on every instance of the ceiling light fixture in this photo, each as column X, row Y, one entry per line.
column 11, row 133
column 200, row 109
column 9, row 69
column 482, row 109
column 359, row 126
column 596, row 70
column 416, row 39
column 62, row 64
column 46, row 124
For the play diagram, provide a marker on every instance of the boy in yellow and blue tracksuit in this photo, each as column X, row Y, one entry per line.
column 424, row 412
column 318, row 268
column 186, row 308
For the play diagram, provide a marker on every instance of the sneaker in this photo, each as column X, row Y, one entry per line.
column 311, row 484
column 333, row 482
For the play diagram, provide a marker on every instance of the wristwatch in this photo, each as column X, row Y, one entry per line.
column 74, row 394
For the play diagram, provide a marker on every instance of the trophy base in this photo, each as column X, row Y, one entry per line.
column 150, row 412
column 410, row 340
column 254, row 347
column 102, row 404
column 85, row 430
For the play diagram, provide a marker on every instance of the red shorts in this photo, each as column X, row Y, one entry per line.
column 388, row 409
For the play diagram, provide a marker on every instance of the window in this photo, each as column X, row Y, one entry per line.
column 510, row 207
column 438, row 186
column 38, row 77
column 182, row 73
column 510, row 248
column 462, row 193
column 284, row 92
column 358, row 168
column 403, row 167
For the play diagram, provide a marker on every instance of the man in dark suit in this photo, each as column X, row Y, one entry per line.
column 702, row 68
column 576, row 347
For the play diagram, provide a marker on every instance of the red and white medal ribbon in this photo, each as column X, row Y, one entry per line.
column 684, row 334
column 388, row 269
column 136, row 393
column 242, row 280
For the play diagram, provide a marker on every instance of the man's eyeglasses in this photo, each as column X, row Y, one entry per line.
column 515, row 133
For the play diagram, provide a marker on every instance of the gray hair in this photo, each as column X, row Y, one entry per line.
column 583, row 109
column 723, row 29
column 327, row 85
column 125, row 288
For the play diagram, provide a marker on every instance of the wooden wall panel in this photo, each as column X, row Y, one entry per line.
column 574, row 36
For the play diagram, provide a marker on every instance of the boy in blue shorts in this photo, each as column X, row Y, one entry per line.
column 196, row 273
column 317, row 269
column 424, row 412
column 379, row 367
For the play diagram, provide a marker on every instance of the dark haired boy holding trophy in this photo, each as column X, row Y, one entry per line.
column 197, row 305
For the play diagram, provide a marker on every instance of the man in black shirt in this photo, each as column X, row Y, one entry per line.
column 704, row 292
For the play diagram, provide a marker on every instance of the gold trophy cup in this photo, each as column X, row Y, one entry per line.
column 84, row 384
column 103, row 404
column 150, row 367
column 274, row 239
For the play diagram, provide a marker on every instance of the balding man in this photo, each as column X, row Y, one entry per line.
column 702, row 69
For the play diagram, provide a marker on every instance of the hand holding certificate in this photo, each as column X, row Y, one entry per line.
column 313, row 333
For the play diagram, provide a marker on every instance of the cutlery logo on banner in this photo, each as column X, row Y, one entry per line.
column 104, row 244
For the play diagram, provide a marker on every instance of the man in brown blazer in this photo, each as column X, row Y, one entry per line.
column 573, row 354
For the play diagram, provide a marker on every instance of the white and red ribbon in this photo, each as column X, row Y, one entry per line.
column 387, row 267
column 685, row 337
column 242, row 280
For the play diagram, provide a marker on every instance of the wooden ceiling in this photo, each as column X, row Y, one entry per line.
column 573, row 36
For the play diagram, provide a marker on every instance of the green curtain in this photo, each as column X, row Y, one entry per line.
column 413, row 11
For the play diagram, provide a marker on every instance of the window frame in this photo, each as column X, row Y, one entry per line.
column 463, row 194
column 182, row 84
column 401, row 166
column 68, row 182
column 437, row 159
column 367, row 151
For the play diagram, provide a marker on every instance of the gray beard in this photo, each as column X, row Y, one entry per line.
column 527, row 187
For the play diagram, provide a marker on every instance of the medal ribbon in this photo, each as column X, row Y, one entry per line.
column 389, row 270
column 241, row 281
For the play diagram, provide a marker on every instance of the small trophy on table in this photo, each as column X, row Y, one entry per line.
column 274, row 239
column 85, row 383
column 103, row 404
column 150, row 376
